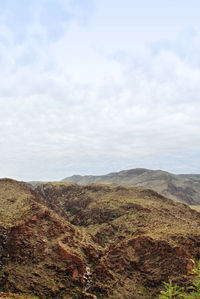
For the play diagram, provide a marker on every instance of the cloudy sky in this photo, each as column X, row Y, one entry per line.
column 95, row 86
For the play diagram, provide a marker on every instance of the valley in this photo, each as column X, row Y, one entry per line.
column 64, row 240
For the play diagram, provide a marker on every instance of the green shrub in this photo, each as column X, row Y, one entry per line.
column 171, row 291
column 176, row 292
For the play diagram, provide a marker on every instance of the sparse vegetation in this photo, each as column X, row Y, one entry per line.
column 182, row 188
column 173, row 291
column 130, row 238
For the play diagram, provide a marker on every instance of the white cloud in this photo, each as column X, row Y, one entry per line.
column 68, row 105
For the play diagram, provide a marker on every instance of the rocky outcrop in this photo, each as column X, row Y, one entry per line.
column 4, row 255
column 41, row 253
column 70, row 241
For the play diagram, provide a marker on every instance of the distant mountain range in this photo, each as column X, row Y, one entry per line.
column 183, row 188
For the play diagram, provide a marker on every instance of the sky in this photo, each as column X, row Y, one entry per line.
column 96, row 86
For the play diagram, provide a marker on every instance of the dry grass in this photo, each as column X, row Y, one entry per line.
column 197, row 208
column 124, row 212
column 16, row 202
column 106, row 216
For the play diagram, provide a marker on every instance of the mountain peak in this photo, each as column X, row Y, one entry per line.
column 183, row 188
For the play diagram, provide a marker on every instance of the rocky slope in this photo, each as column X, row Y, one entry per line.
column 138, row 237
column 40, row 252
column 68, row 241
column 182, row 188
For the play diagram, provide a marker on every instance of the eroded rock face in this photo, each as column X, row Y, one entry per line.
column 33, row 247
column 155, row 260
column 3, row 246
column 143, row 262
column 94, row 241
column 119, row 222
column 41, row 253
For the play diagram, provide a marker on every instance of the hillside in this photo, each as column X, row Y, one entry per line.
column 182, row 188
column 40, row 252
column 64, row 240
column 140, row 238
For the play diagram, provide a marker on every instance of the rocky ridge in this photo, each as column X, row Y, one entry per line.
column 139, row 238
column 64, row 240
column 182, row 188
column 40, row 252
